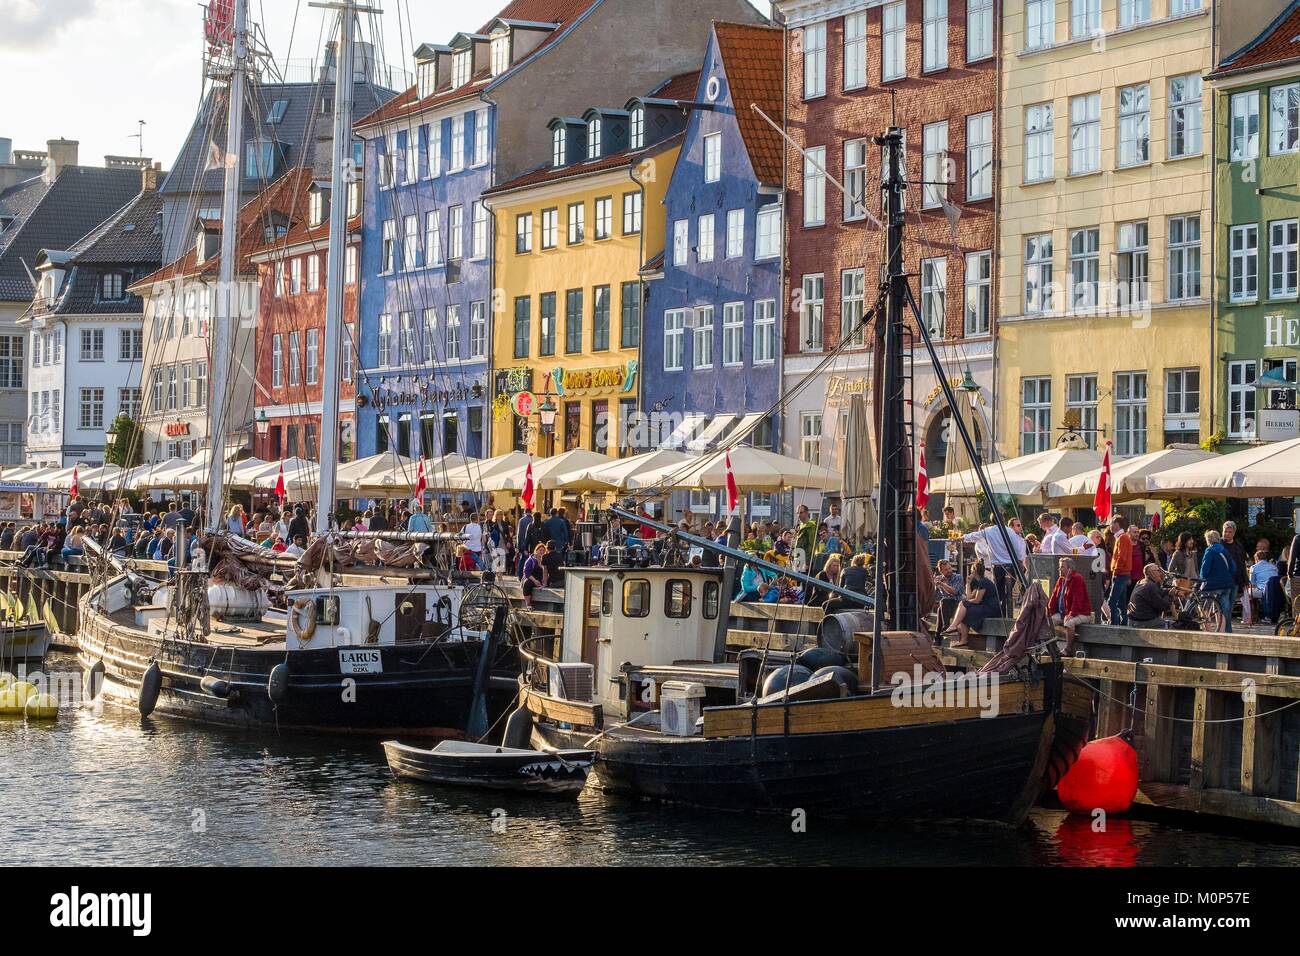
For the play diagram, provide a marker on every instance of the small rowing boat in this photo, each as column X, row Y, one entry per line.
column 464, row 764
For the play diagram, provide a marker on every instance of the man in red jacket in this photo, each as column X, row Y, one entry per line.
column 1069, row 604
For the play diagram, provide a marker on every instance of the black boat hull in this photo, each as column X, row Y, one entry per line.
column 532, row 772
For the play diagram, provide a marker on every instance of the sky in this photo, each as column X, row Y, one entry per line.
column 89, row 70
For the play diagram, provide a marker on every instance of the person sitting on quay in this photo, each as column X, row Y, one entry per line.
column 1069, row 603
column 1149, row 600
column 979, row 603
column 1263, row 573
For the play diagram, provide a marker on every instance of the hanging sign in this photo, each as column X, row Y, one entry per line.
column 523, row 404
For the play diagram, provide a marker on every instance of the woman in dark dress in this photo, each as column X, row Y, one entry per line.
column 979, row 603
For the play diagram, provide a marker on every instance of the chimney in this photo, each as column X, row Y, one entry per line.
column 61, row 153
column 149, row 176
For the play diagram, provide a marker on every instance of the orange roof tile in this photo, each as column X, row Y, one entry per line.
column 1280, row 41
column 753, row 57
column 549, row 174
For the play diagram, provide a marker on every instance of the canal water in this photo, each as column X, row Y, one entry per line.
column 108, row 788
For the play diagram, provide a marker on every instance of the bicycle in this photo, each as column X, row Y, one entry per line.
column 1288, row 625
column 1197, row 609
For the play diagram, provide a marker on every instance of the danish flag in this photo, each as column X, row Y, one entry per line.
column 526, row 496
column 922, row 483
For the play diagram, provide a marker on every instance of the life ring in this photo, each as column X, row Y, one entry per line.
column 305, row 632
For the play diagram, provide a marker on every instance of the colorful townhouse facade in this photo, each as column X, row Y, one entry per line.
column 853, row 70
column 1105, row 225
column 712, row 355
column 572, row 238
column 1256, row 92
column 469, row 123
column 290, row 338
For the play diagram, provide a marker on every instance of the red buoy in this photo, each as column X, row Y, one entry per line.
column 1105, row 777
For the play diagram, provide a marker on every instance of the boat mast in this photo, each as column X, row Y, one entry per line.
column 226, row 295
column 342, row 175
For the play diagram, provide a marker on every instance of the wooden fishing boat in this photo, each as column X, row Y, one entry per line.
column 24, row 642
column 464, row 764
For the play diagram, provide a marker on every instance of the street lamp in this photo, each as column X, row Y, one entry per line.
column 547, row 412
column 970, row 387
column 263, row 423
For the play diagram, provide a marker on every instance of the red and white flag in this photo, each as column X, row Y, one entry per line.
column 733, row 493
column 526, row 496
column 279, row 484
column 420, row 485
column 76, row 485
column 1101, row 503
column 922, row 483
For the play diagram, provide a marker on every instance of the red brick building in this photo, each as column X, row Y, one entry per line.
column 290, row 338
column 919, row 65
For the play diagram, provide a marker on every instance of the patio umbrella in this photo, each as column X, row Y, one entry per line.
column 1128, row 476
column 1025, row 478
column 755, row 470
column 300, row 475
column 60, row 480
column 155, row 474
column 860, row 517
column 106, row 478
column 613, row 475
column 471, row 477
column 387, row 471
column 1263, row 471
column 545, row 471
column 436, row 469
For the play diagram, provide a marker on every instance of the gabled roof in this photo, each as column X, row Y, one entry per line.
column 562, row 13
column 280, row 197
column 301, row 231
column 1279, row 42
column 753, row 57
column 56, row 215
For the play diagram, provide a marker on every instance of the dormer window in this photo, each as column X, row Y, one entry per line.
column 500, row 53
column 277, row 225
column 354, row 200
column 593, row 138
column 636, row 132
column 462, row 65
column 557, row 147
column 113, row 288
column 426, row 78
column 276, row 113
column 260, row 160
column 318, row 206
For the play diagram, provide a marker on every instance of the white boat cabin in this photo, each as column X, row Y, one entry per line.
column 383, row 615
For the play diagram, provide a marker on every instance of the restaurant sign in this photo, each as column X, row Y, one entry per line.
column 1278, row 424
column 613, row 378
column 421, row 391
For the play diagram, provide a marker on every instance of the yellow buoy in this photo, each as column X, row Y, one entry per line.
column 13, row 699
column 6, row 679
column 41, row 707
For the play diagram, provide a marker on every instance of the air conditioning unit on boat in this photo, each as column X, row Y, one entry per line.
column 576, row 682
column 680, row 705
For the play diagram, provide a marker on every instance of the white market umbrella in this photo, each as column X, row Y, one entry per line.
column 300, row 475
column 545, row 471
column 156, row 474
column 613, row 475
column 436, row 470
column 755, row 470
column 473, row 476
column 385, row 472
column 1262, row 471
column 238, row 476
column 860, row 517
column 1128, row 476
column 61, row 480
column 1025, row 478
column 106, row 478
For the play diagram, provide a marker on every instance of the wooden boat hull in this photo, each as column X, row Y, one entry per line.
column 422, row 689
column 24, row 643
column 563, row 774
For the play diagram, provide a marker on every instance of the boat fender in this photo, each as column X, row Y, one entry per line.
column 215, row 686
column 277, row 685
column 150, row 688
column 6, row 679
column 342, row 635
column 519, row 729
column 843, row 676
column 816, row 658
column 1105, row 777
column 93, row 682
column 790, row 675
column 305, row 628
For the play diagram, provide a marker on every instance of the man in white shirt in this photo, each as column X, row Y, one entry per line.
column 992, row 542
column 1079, row 539
column 834, row 521
column 1054, row 539
column 297, row 549
column 474, row 539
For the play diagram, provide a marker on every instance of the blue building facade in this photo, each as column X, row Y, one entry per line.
column 712, row 344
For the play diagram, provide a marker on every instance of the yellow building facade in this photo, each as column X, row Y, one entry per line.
column 1105, row 226
column 570, row 246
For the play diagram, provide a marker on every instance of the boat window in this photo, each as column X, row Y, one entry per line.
column 606, row 598
column 636, row 598
column 711, row 600
column 677, row 599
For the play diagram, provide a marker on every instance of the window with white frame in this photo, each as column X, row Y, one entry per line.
column 674, row 333
column 814, row 60
column 1184, row 245
column 705, row 240
column 559, row 145
column 130, row 402
column 432, row 237
column 550, row 228
column 702, row 339
column 387, row 250
column 1285, row 396
column 456, row 161
column 1134, row 12
column 1282, row 240
column 979, row 156
column 1085, row 133
column 130, row 345
column 1081, row 398
column 349, row 352
column 384, row 350
column 1243, row 135
column 1085, row 268
column 92, row 408
column 853, row 300
column 1038, row 273
column 934, row 295
column 814, row 186
column 893, row 41
column 1035, row 414
column 1243, row 262
column 1184, row 95
column 455, row 231
column 479, row 231
column 735, row 233
column 577, row 223
column 406, row 332
column 934, row 170
column 767, row 241
column 1040, row 24
column 451, row 340
column 712, row 157
column 979, row 30
column 1085, row 18
column 934, row 36
column 386, row 153
column 1130, row 414
column 1284, row 119
column 1039, row 148
column 810, row 437
column 681, row 241
column 1134, row 124
column 279, row 280
column 410, row 243
column 523, row 233
column 733, row 333
column 462, row 63
column 978, row 292
column 1183, row 391
column 855, row 179
column 604, row 217
column 425, row 75
column 855, row 50
column 631, row 213
column 1178, row 7
column 636, row 128
column 409, row 163
column 351, row 261
column 811, row 316
column 500, row 53
column 277, row 365
column 593, row 137
column 480, row 137
column 313, row 356
column 295, row 278
column 92, row 345
column 1242, row 396
column 764, row 331
column 1132, row 262
column 156, row 398
column 477, row 329
column 429, row 344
